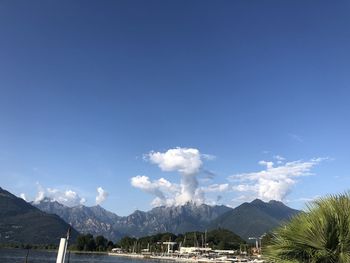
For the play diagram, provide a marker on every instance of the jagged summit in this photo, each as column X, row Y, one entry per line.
column 275, row 202
column 97, row 220
column 256, row 215
column 257, row 202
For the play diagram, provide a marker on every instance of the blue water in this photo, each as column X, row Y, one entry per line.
column 39, row 256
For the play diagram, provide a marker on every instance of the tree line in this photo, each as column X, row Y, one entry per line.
column 88, row 242
column 216, row 239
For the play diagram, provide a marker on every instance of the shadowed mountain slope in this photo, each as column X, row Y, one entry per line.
column 255, row 218
column 20, row 222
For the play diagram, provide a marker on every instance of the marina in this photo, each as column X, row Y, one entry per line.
column 49, row 256
column 194, row 259
column 228, row 256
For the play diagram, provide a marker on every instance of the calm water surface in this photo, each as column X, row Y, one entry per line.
column 38, row 256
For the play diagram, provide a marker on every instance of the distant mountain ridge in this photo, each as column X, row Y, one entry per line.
column 174, row 219
column 20, row 222
column 98, row 221
column 247, row 220
column 94, row 220
column 255, row 218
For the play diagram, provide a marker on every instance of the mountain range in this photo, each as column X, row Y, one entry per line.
column 247, row 220
column 45, row 222
column 94, row 220
column 98, row 221
column 23, row 223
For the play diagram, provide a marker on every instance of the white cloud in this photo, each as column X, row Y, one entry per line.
column 279, row 157
column 66, row 197
column 101, row 196
column 143, row 182
column 273, row 183
column 245, row 187
column 304, row 199
column 40, row 194
column 215, row 188
column 267, row 164
column 160, row 188
column 186, row 161
column 23, row 196
column 165, row 192
column 159, row 202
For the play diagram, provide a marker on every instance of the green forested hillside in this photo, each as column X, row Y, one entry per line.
column 21, row 223
column 255, row 218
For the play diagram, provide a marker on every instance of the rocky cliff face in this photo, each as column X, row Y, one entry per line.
column 248, row 219
column 94, row 220
column 98, row 221
column 175, row 219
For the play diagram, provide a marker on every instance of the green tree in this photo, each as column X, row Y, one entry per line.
column 86, row 243
column 127, row 243
column 101, row 243
column 110, row 245
column 91, row 244
column 321, row 235
column 224, row 239
column 80, row 242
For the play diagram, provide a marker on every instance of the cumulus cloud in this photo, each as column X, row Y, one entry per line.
column 273, row 182
column 23, row 196
column 40, row 194
column 101, row 195
column 188, row 163
column 66, row 197
column 160, row 188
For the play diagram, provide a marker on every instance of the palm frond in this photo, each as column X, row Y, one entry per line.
column 320, row 235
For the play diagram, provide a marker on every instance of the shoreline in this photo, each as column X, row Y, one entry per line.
column 184, row 259
column 55, row 250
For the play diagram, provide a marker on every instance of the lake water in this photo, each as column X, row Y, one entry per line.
column 39, row 256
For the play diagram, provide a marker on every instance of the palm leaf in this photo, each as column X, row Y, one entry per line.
column 320, row 235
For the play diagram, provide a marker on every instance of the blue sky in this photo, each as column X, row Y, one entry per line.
column 90, row 92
